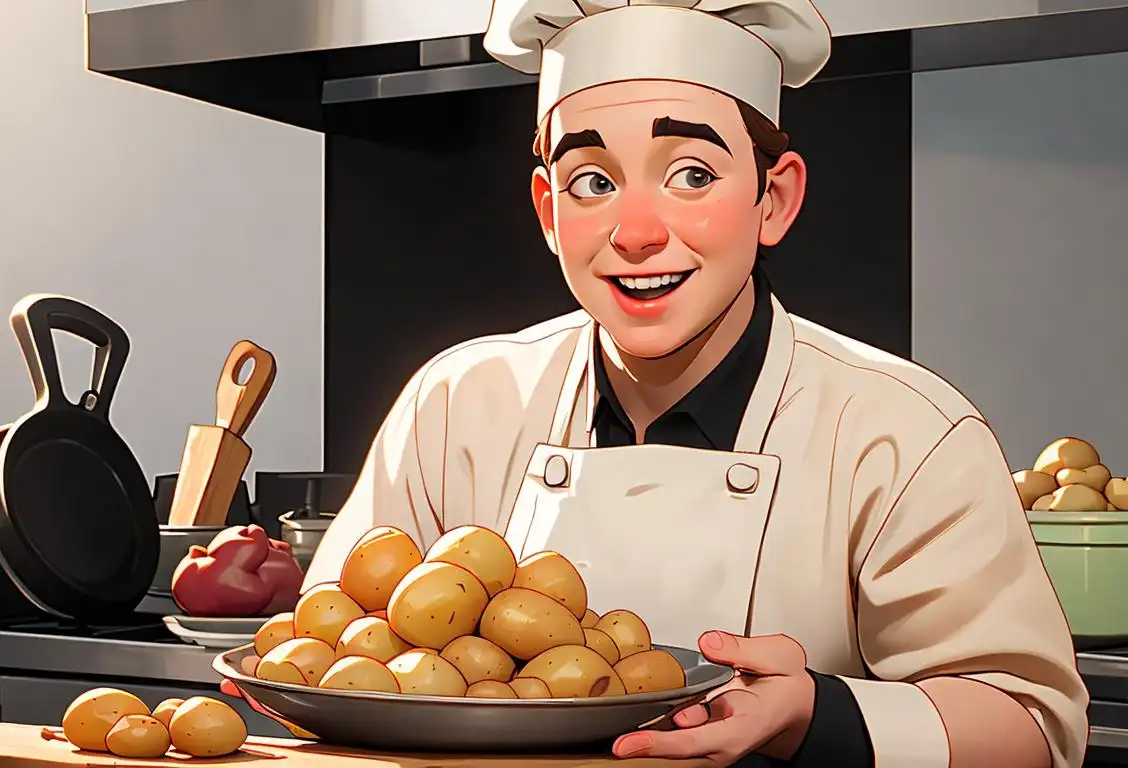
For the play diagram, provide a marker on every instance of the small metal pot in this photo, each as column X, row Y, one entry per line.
column 304, row 534
column 176, row 540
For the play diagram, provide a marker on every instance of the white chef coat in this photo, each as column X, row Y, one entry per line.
column 897, row 548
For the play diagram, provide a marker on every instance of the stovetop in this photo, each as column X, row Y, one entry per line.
column 142, row 627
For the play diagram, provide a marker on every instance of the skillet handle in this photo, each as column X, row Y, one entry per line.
column 36, row 316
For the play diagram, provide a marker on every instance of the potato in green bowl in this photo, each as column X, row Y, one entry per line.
column 1086, row 556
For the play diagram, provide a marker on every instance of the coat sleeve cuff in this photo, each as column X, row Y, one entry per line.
column 837, row 734
column 904, row 727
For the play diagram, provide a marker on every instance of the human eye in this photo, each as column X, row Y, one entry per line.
column 589, row 185
column 691, row 178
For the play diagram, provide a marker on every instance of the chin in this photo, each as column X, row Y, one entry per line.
column 648, row 342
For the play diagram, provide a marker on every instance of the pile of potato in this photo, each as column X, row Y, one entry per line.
column 114, row 721
column 1069, row 477
column 466, row 620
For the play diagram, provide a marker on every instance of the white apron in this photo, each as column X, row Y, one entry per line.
column 672, row 534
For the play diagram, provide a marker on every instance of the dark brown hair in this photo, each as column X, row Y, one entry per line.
column 768, row 142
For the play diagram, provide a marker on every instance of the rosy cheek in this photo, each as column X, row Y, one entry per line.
column 719, row 221
column 582, row 232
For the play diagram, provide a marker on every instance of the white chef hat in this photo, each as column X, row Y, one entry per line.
column 747, row 49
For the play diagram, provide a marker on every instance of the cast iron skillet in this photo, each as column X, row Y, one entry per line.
column 78, row 533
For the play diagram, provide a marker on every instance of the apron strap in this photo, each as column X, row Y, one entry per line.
column 571, row 387
column 769, row 389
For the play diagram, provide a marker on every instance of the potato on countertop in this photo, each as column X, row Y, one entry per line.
column 206, row 727
column 138, row 736
column 89, row 718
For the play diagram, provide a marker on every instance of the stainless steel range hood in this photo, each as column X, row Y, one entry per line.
column 127, row 34
column 146, row 40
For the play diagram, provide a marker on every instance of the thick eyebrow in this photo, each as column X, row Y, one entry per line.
column 578, row 140
column 664, row 126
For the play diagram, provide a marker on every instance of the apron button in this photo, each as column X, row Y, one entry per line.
column 556, row 472
column 743, row 478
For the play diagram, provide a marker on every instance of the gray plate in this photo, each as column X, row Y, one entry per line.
column 390, row 721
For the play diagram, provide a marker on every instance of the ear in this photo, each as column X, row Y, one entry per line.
column 541, row 189
column 787, row 186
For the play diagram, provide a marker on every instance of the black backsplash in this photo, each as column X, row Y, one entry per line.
column 431, row 237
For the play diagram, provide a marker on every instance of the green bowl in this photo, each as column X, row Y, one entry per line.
column 1086, row 556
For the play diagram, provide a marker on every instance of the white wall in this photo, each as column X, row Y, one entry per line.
column 1020, row 207
column 190, row 225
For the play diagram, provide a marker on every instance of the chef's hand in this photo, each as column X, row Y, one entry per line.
column 229, row 688
column 767, row 707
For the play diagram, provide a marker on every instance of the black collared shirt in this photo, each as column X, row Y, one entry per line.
column 709, row 417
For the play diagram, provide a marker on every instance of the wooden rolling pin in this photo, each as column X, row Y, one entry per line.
column 215, row 456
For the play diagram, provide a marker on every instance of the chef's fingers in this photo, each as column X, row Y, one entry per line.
column 718, row 708
column 721, row 741
column 693, row 716
column 763, row 655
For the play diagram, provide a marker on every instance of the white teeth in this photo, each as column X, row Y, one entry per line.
column 653, row 281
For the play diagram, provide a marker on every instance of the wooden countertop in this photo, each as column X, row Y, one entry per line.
column 24, row 746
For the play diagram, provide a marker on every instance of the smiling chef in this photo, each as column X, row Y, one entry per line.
column 836, row 523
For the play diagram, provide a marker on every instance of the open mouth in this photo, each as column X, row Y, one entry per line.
column 650, row 287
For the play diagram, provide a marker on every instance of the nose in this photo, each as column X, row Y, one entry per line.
column 639, row 232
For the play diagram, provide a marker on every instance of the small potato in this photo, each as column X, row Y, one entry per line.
column 1033, row 485
column 138, row 736
column 589, row 619
column 301, row 661
column 627, row 630
column 530, row 688
column 1043, row 503
column 89, row 718
column 654, row 670
column 371, row 637
column 435, row 603
column 1096, row 477
column 480, row 551
column 378, row 614
column 574, row 672
column 431, row 651
column 165, row 710
column 1078, row 498
column 323, row 613
column 601, row 643
column 274, row 632
column 376, row 564
column 206, row 727
column 525, row 623
column 490, row 689
column 552, row 575
column 1117, row 493
column 478, row 659
column 1066, row 453
column 359, row 673
column 427, row 674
